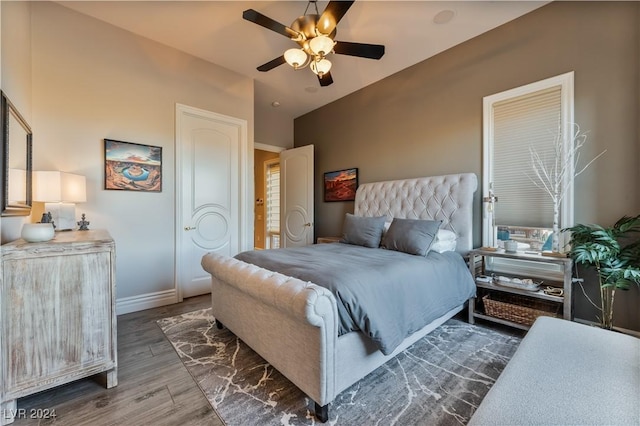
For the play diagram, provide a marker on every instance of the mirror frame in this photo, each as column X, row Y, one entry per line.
column 7, row 109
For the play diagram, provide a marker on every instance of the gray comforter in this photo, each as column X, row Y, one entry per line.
column 386, row 294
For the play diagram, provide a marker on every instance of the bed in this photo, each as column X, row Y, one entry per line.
column 296, row 325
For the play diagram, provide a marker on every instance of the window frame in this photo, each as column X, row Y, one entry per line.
column 271, row 238
column 566, row 82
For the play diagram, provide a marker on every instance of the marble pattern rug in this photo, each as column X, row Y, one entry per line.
column 440, row 380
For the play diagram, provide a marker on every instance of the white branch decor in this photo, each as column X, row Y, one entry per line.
column 556, row 174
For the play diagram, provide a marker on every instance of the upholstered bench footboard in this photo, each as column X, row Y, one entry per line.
column 291, row 323
column 565, row 373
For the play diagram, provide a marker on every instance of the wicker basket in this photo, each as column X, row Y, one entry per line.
column 519, row 309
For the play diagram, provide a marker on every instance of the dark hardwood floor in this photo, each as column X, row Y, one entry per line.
column 154, row 387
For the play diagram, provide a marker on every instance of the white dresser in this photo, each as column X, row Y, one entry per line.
column 57, row 314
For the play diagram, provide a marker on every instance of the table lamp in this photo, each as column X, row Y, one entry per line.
column 60, row 191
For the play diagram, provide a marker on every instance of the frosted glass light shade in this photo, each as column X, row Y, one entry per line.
column 321, row 67
column 56, row 187
column 321, row 45
column 295, row 57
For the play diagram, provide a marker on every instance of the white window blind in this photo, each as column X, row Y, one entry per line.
column 531, row 120
column 272, row 210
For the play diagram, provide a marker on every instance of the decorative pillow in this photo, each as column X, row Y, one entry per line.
column 442, row 246
column 413, row 236
column 362, row 231
column 446, row 235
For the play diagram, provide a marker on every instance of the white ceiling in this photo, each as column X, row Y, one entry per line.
column 216, row 32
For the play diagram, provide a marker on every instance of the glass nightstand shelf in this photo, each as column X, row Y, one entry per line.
column 525, row 304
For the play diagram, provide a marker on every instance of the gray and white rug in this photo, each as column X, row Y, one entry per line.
column 440, row 380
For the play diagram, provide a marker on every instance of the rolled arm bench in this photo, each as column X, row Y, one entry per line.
column 565, row 373
column 290, row 323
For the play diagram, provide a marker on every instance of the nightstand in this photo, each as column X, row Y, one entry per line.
column 519, row 299
column 324, row 240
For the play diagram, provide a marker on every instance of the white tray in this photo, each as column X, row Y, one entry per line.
column 521, row 286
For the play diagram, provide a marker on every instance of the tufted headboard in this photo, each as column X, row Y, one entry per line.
column 448, row 198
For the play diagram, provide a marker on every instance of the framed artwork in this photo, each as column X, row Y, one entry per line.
column 132, row 167
column 341, row 185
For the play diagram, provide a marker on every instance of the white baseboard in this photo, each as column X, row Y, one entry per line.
column 141, row 302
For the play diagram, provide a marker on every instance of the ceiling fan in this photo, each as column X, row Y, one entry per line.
column 315, row 34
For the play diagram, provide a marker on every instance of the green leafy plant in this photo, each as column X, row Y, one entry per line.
column 614, row 253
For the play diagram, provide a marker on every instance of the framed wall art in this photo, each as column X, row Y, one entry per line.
column 341, row 185
column 132, row 167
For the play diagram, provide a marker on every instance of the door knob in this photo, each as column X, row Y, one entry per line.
column 189, row 228
column 307, row 224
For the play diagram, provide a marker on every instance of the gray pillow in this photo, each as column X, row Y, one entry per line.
column 362, row 231
column 413, row 236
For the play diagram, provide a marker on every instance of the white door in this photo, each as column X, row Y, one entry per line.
column 211, row 192
column 296, row 192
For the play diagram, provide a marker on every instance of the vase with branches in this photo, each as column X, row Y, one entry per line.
column 614, row 253
column 555, row 173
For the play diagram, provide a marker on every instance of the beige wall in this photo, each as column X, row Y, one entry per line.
column 15, row 79
column 16, row 55
column 274, row 126
column 427, row 119
column 93, row 81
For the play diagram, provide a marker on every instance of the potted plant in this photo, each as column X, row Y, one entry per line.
column 615, row 255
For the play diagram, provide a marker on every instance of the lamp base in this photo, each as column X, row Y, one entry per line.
column 62, row 214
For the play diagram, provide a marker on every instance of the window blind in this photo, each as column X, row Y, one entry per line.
column 532, row 120
column 273, row 198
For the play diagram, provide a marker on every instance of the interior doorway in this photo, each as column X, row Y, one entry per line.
column 213, row 200
column 266, row 158
column 283, row 194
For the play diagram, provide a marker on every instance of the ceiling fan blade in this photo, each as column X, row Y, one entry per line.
column 272, row 64
column 325, row 80
column 363, row 50
column 332, row 14
column 264, row 21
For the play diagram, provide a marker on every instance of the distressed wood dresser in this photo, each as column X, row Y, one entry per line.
column 57, row 314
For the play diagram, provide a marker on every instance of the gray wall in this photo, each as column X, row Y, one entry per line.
column 427, row 119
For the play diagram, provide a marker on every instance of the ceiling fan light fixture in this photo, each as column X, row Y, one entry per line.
column 297, row 58
column 321, row 45
column 321, row 67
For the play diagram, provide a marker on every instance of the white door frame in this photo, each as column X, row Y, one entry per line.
column 246, row 184
column 269, row 148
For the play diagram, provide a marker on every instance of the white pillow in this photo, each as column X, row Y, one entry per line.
column 442, row 246
column 442, row 235
column 446, row 235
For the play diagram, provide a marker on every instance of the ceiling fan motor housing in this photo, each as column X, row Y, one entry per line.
column 307, row 26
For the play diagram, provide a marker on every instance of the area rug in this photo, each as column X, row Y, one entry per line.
column 440, row 380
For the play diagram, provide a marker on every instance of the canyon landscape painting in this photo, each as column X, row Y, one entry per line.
column 341, row 185
column 131, row 166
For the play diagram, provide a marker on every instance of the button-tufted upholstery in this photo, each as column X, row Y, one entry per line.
column 448, row 198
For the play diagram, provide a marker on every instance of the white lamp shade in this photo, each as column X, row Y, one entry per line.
column 295, row 57
column 321, row 67
column 321, row 45
column 56, row 187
